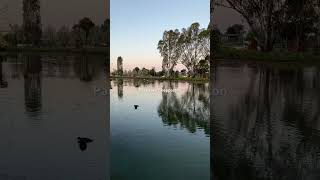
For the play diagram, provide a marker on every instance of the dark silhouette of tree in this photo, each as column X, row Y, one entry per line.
column 235, row 29
column 136, row 71
column 32, row 21
column 77, row 33
column 86, row 25
column 263, row 17
column 106, row 29
column 106, row 25
column 301, row 19
column 152, row 72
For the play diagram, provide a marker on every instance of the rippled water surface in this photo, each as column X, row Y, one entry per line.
column 166, row 136
column 46, row 103
column 267, row 125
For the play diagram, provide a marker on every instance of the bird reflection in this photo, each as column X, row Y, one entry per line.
column 83, row 143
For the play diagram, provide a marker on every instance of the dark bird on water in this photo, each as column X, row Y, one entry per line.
column 83, row 143
column 136, row 106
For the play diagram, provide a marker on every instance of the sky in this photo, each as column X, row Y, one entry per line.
column 58, row 13
column 138, row 25
column 224, row 17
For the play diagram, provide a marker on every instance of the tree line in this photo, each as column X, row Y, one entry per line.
column 190, row 47
column 84, row 33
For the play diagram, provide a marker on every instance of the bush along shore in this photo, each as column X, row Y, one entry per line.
column 273, row 56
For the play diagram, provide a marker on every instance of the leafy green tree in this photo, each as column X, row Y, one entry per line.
column 204, row 38
column 192, row 48
column 152, row 72
column 203, row 67
column 169, row 48
column 86, row 25
column 145, row 72
column 136, row 71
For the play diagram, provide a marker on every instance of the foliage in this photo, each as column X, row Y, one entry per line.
column 32, row 22
column 170, row 50
column 249, row 55
column 152, row 72
column 215, row 39
column 86, row 25
column 187, row 47
column 235, row 29
column 270, row 18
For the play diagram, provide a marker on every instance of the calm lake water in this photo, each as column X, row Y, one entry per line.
column 166, row 136
column 46, row 102
column 267, row 125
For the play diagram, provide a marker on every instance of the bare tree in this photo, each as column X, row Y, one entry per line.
column 263, row 17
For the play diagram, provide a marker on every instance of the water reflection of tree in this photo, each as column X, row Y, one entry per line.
column 190, row 111
column 87, row 67
column 120, row 88
column 268, row 135
column 32, row 83
column 3, row 82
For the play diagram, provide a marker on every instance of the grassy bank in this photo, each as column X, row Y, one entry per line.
column 164, row 78
column 95, row 50
column 274, row 56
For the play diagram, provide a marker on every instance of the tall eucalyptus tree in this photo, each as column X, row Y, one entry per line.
column 32, row 22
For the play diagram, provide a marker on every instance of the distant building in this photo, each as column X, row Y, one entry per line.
column 119, row 66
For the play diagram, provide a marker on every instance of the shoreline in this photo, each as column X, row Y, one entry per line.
column 162, row 78
column 246, row 55
column 94, row 50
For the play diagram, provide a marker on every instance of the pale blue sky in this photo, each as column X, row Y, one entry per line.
column 137, row 26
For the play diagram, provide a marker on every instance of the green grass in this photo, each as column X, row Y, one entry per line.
column 277, row 55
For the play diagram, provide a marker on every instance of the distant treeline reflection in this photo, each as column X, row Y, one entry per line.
column 34, row 68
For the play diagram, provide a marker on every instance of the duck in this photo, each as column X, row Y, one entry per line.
column 82, row 141
column 136, row 106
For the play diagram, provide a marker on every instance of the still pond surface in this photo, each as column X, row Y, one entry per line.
column 267, row 126
column 46, row 102
column 166, row 136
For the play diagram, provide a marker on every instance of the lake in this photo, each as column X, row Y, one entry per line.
column 166, row 136
column 47, row 101
column 267, row 124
